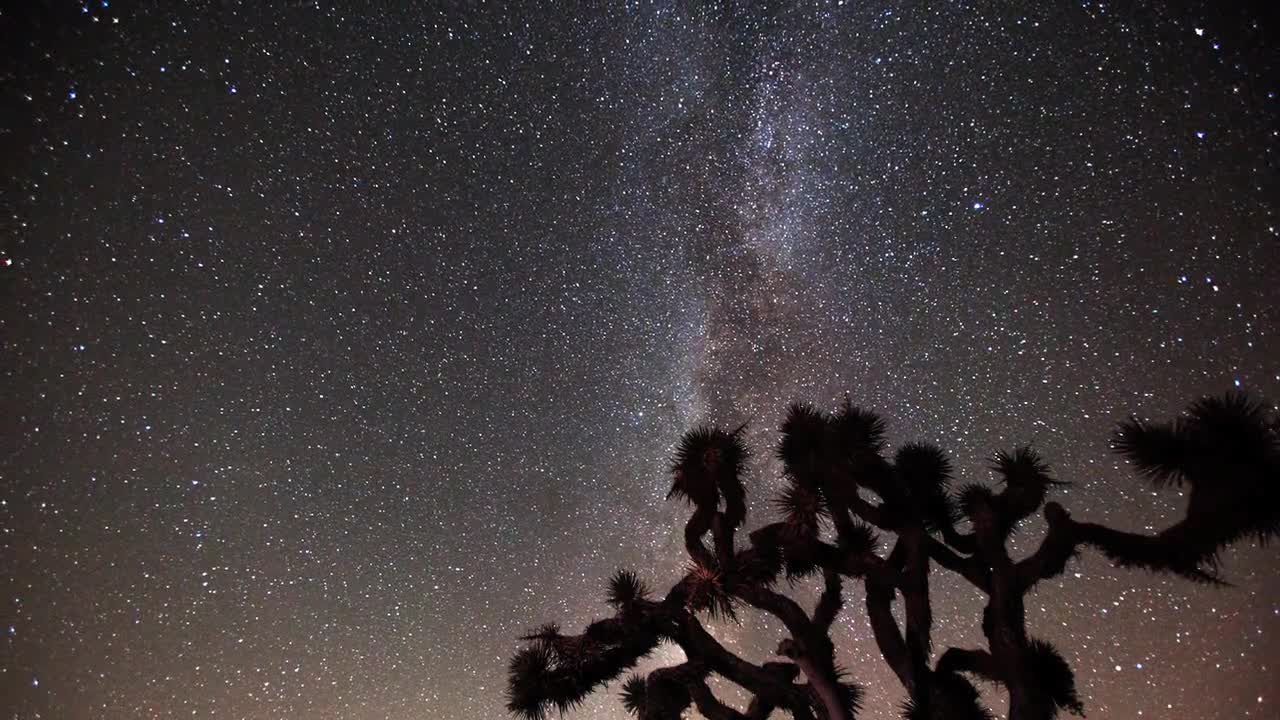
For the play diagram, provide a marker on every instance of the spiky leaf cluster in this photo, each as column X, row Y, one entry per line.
column 827, row 455
column 626, row 589
column 857, row 429
column 804, row 441
column 974, row 499
column 633, row 694
column 950, row 697
column 801, row 508
column 1228, row 451
column 557, row 672
column 1026, row 482
column 664, row 694
column 1054, row 677
column 1233, row 429
column 799, row 560
column 705, row 590
column 707, row 467
column 923, row 481
column 858, row 540
column 850, row 696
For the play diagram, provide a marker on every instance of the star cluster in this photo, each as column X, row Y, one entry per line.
column 341, row 346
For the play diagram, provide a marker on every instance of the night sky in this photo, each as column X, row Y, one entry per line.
column 339, row 347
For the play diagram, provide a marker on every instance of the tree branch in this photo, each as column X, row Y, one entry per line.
column 710, row 707
column 977, row 662
column 966, row 567
column 830, row 602
column 1057, row 547
column 885, row 629
column 873, row 514
column 697, row 526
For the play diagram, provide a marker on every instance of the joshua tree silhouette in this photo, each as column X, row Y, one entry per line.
column 1226, row 451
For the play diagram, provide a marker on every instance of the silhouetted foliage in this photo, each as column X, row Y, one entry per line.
column 841, row 493
column 625, row 590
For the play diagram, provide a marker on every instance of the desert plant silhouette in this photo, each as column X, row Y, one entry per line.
column 1225, row 451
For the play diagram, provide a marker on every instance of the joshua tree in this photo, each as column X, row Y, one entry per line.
column 841, row 492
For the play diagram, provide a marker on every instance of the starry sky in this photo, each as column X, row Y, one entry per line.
column 342, row 343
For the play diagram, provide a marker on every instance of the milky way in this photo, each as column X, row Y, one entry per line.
column 343, row 346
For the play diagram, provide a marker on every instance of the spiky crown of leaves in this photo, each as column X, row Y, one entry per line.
column 1227, row 449
column 705, row 590
column 626, row 590
column 708, row 465
column 1215, row 431
column 1053, row 674
column 812, row 438
column 1023, row 468
column 924, row 473
column 951, row 697
column 826, row 455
